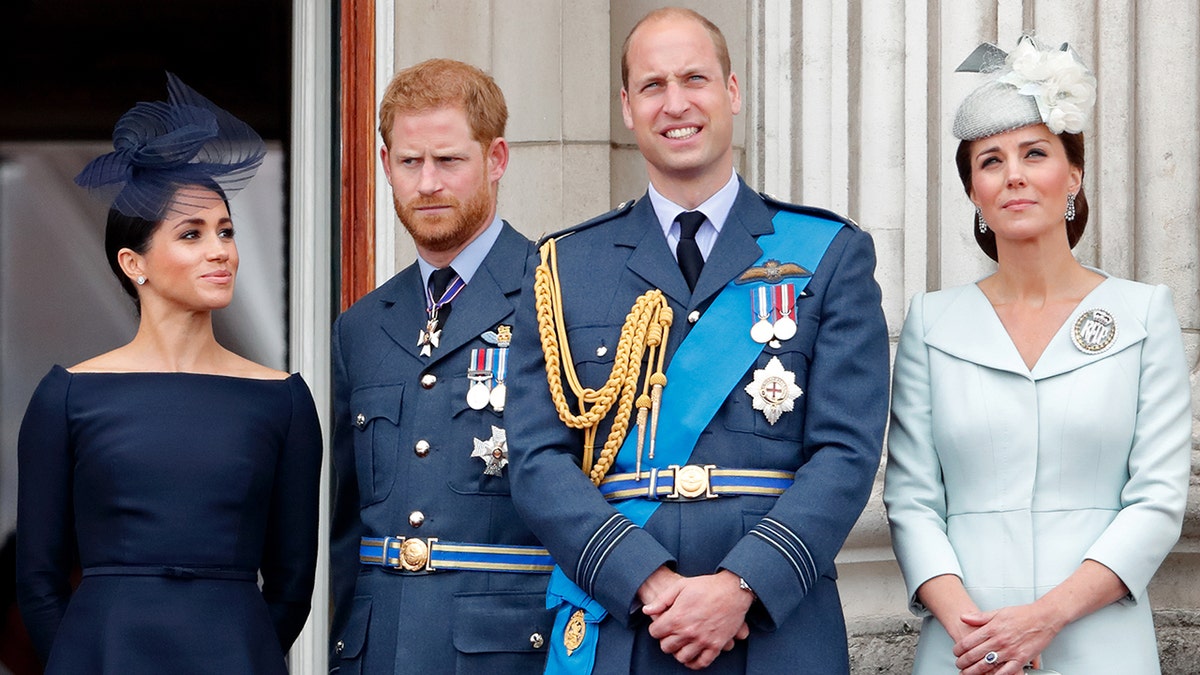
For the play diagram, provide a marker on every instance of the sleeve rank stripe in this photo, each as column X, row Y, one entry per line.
column 790, row 538
column 791, row 546
column 604, row 554
column 589, row 548
column 598, row 549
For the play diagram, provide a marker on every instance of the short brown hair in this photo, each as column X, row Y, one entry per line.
column 439, row 83
column 1073, row 143
column 718, row 38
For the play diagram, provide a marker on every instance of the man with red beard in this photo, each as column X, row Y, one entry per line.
column 433, row 572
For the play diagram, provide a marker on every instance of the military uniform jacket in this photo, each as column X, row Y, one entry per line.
column 411, row 451
column 783, row 546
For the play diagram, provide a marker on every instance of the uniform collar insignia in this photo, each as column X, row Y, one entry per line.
column 501, row 337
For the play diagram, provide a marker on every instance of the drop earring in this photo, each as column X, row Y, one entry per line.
column 983, row 226
column 1070, row 207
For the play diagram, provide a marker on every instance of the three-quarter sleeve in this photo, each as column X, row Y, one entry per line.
column 914, row 492
column 1154, row 498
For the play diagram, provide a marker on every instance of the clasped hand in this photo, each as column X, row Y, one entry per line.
column 1017, row 635
column 696, row 618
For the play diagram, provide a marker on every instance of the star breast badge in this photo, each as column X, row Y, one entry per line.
column 774, row 390
column 493, row 452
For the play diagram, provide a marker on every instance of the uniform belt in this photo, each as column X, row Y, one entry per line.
column 694, row 482
column 422, row 556
column 171, row 571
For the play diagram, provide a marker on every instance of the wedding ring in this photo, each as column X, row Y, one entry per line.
column 990, row 658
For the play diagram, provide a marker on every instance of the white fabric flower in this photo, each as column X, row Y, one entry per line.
column 1064, row 88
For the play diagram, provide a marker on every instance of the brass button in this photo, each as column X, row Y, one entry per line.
column 536, row 640
column 339, row 647
column 694, row 316
column 360, row 420
column 416, row 519
column 428, row 380
column 421, row 448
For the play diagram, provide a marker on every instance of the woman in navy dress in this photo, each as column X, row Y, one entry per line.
column 174, row 471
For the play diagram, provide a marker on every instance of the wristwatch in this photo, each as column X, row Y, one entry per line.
column 746, row 587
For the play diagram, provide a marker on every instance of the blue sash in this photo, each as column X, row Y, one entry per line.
column 724, row 330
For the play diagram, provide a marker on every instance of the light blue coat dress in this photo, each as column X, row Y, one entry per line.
column 1010, row 478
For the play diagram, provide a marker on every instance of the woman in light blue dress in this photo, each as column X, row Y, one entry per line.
column 1038, row 455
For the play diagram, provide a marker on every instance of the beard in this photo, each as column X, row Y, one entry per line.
column 445, row 231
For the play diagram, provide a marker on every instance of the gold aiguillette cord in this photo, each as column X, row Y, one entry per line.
column 643, row 335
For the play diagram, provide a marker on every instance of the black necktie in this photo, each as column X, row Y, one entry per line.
column 439, row 281
column 690, row 260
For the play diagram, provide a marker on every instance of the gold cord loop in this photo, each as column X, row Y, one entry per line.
column 643, row 336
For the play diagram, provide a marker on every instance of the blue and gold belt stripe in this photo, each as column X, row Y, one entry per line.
column 416, row 555
column 695, row 482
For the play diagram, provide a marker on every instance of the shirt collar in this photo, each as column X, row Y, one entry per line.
column 716, row 208
column 470, row 258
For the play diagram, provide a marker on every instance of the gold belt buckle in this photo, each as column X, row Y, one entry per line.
column 692, row 482
column 413, row 554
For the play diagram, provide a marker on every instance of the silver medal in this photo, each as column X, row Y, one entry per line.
column 761, row 332
column 785, row 329
column 497, row 397
column 477, row 395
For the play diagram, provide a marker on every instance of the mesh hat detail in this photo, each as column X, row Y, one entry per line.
column 160, row 147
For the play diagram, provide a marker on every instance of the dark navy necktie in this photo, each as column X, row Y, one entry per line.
column 687, row 251
column 439, row 281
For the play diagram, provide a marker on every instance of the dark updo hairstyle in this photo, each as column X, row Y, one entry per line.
column 134, row 233
column 129, row 232
column 987, row 239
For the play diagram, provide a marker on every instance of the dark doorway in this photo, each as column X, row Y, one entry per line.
column 69, row 68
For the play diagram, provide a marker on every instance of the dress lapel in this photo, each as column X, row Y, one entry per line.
column 405, row 316
column 651, row 259
column 736, row 247
column 969, row 329
column 1061, row 354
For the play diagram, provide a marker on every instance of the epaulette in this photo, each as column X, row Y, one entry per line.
column 814, row 211
column 621, row 210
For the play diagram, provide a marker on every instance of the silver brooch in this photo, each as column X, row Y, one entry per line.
column 1094, row 331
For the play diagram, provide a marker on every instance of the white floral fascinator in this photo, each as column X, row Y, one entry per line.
column 1033, row 84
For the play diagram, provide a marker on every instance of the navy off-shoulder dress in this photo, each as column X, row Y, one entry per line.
column 174, row 492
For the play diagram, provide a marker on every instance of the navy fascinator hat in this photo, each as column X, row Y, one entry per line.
column 159, row 147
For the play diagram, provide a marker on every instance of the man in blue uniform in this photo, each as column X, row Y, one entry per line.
column 727, row 412
column 432, row 569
